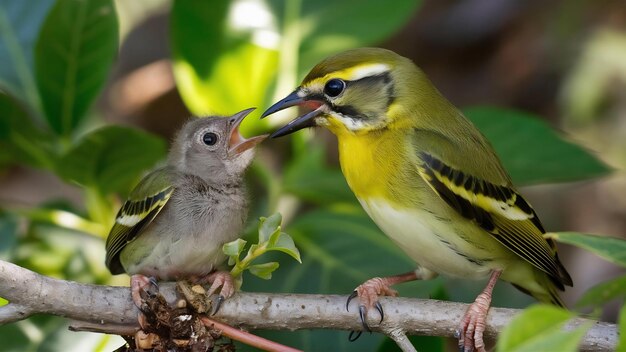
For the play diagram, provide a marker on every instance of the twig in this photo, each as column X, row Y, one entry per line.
column 400, row 338
column 112, row 306
column 247, row 338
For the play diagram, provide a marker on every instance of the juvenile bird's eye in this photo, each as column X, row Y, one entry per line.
column 334, row 87
column 209, row 138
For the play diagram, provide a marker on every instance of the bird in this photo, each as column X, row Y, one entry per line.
column 177, row 218
column 428, row 179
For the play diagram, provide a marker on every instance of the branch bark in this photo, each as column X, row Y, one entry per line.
column 110, row 309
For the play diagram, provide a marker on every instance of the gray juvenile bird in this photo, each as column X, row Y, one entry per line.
column 175, row 221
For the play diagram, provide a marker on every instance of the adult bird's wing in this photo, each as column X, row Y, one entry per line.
column 499, row 210
column 142, row 206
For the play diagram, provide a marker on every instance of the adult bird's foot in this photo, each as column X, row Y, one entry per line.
column 368, row 294
column 472, row 327
column 223, row 281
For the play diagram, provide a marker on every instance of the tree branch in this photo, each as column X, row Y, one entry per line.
column 110, row 309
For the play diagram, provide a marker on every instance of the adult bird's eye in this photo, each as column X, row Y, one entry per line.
column 334, row 87
column 209, row 138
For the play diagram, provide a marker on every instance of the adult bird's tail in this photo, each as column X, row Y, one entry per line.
column 543, row 289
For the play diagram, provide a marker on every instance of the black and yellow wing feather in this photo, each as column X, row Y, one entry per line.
column 140, row 209
column 499, row 210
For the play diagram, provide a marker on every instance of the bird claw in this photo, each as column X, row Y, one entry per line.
column 379, row 308
column 353, row 295
column 368, row 294
column 152, row 289
column 363, row 317
column 218, row 304
column 354, row 335
column 222, row 281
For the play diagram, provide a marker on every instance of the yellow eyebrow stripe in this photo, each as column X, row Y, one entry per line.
column 353, row 73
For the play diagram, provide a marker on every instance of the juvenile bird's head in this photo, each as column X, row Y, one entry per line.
column 213, row 149
column 357, row 91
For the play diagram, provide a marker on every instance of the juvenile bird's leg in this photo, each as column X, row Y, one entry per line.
column 138, row 284
column 472, row 327
column 142, row 284
column 219, row 279
column 370, row 290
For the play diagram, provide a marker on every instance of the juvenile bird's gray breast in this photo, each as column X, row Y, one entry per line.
column 192, row 228
column 208, row 216
column 214, row 213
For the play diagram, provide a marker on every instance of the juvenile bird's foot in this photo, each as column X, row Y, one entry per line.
column 368, row 294
column 223, row 281
column 474, row 322
column 142, row 286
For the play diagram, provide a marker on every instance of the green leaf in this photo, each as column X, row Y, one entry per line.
column 274, row 237
column 540, row 328
column 610, row 248
column 73, row 56
column 20, row 22
column 621, row 343
column 21, row 139
column 531, row 151
column 310, row 178
column 331, row 26
column 234, row 248
column 603, row 292
column 111, row 158
column 224, row 55
column 269, row 226
column 562, row 341
column 285, row 244
column 264, row 271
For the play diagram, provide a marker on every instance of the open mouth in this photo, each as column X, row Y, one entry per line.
column 237, row 144
column 303, row 121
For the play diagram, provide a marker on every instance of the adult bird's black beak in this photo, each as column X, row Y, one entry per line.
column 306, row 120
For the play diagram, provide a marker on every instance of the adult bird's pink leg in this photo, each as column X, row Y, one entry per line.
column 473, row 324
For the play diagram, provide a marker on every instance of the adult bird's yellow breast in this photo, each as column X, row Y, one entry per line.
column 378, row 164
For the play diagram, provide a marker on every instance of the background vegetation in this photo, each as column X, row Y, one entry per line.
column 91, row 91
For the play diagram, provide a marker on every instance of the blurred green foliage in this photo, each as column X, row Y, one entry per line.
column 226, row 56
column 540, row 328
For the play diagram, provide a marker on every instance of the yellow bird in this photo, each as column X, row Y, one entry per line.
column 429, row 179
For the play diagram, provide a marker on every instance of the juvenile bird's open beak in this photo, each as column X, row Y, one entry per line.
column 237, row 144
column 306, row 120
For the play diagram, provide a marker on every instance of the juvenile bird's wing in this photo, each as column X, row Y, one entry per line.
column 499, row 210
column 142, row 206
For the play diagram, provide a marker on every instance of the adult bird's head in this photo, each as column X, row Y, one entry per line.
column 213, row 148
column 356, row 91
